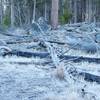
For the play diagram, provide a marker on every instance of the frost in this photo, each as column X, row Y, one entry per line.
column 50, row 77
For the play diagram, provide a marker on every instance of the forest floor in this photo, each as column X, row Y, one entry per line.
column 44, row 64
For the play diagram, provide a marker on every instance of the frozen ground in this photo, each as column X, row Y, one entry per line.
column 32, row 78
column 38, row 82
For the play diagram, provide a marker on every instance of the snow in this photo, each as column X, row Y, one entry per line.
column 34, row 82
column 31, row 78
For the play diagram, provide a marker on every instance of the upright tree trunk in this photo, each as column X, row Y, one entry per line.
column 1, row 11
column 19, row 11
column 98, row 10
column 88, row 11
column 94, row 11
column 83, row 4
column 54, row 13
column 70, row 9
column 12, row 13
column 75, row 11
column 34, row 10
column 45, row 13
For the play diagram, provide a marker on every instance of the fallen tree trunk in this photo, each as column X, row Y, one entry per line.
column 57, row 42
column 90, row 77
column 87, row 76
column 27, row 63
column 28, row 54
column 80, row 59
column 46, row 54
column 29, row 41
column 19, row 42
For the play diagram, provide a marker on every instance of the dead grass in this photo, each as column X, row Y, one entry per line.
column 60, row 73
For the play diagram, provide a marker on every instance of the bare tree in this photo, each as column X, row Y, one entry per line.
column 12, row 13
column 1, row 11
column 75, row 11
column 45, row 13
column 34, row 10
column 54, row 13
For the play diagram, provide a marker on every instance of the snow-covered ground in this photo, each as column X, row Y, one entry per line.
column 39, row 82
column 37, row 78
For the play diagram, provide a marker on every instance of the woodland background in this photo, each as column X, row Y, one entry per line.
column 22, row 12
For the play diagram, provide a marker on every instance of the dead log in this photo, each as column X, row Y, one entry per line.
column 46, row 54
column 29, row 41
column 27, row 63
column 90, row 77
column 57, row 42
column 87, row 76
column 80, row 59
column 27, row 54
column 19, row 42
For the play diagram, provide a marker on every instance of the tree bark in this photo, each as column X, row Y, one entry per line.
column 54, row 13
column 1, row 11
column 45, row 13
column 87, row 76
column 75, row 11
column 12, row 13
column 46, row 54
column 34, row 10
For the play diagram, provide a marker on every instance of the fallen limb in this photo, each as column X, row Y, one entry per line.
column 57, row 42
column 27, row 63
column 87, row 76
column 52, row 54
column 90, row 77
column 29, row 39
column 19, row 42
column 80, row 59
column 32, row 40
column 46, row 54
column 27, row 54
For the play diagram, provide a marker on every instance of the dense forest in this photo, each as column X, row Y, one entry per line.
column 22, row 12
